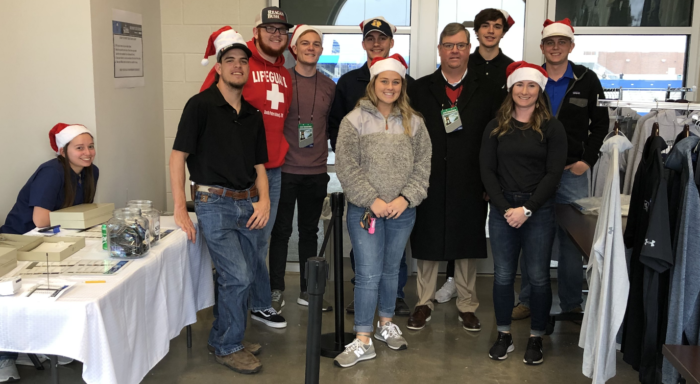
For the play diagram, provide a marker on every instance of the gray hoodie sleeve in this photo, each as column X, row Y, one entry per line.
column 352, row 177
column 416, row 189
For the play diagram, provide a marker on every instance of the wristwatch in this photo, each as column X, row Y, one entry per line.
column 527, row 212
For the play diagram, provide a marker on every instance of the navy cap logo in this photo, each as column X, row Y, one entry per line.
column 376, row 23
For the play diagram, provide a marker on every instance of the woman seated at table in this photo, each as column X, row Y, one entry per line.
column 67, row 180
column 523, row 153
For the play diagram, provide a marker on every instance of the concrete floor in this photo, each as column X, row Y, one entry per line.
column 442, row 352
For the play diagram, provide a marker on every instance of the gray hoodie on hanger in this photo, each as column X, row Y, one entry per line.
column 684, row 296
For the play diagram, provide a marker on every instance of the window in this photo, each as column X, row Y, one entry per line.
column 626, row 13
column 343, row 52
column 346, row 12
column 460, row 11
column 639, row 64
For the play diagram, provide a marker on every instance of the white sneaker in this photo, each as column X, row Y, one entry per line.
column 447, row 292
column 8, row 371
column 391, row 335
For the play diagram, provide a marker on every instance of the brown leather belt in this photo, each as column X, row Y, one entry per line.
column 236, row 195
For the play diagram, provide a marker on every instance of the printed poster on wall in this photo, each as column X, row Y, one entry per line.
column 127, row 31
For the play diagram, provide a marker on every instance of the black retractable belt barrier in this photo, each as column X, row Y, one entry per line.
column 332, row 344
column 316, row 272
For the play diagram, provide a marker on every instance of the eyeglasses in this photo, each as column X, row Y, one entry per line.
column 272, row 30
column 450, row 46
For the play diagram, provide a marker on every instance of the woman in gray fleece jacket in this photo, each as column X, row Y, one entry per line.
column 383, row 163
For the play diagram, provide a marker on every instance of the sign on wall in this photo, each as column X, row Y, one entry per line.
column 127, row 31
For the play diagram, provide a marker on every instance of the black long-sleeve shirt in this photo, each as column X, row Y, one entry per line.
column 523, row 161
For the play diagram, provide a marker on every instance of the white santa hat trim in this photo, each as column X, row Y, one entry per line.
column 67, row 134
column 394, row 63
column 558, row 28
column 527, row 73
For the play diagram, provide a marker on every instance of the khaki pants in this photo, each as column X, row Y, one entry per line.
column 465, row 280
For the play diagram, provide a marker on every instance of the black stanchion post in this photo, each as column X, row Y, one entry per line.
column 316, row 272
column 332, row 344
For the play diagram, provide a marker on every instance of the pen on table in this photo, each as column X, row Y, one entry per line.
column 54, row 229
column 95, row 281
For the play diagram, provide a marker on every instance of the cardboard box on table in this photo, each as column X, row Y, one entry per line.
column 82, row 216
column 26, row 247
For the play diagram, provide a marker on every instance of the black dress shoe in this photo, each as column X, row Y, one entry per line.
column 401, row 308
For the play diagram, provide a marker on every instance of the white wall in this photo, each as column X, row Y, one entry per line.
column 46, row 77
column 57, row 66
column 129, row 120
column 186, row 27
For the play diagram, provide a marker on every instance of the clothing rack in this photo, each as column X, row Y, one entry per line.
column 616, row 93
column 649, row 104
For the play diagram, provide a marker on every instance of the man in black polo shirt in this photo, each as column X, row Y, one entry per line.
column 222, row 139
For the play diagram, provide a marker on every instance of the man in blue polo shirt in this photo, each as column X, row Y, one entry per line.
column 573, row 92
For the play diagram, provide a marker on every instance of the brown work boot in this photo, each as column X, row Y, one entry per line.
column 419, row 317
column 253, row 348
column 241, row 362
column 520, row 312
column 469, row 321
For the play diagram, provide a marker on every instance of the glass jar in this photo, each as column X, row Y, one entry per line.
column 152, row 214
column 128, row 235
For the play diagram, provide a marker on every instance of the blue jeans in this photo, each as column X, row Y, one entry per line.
column 534, row 238
column 8, row 356
column 233, row 249
column 403, row 274
column 570, row 269
column 260, row 293
column 377, row 260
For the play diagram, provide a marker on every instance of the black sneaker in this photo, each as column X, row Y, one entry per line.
column 350, row 308
column 533, row 354
column 270, row 318
column 502, row 347
column 401, row 308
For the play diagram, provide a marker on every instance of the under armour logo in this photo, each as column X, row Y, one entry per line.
column 610, row 230
column 647, row 242
column 376, row 23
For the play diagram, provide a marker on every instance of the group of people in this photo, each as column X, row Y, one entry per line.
column 417, row 159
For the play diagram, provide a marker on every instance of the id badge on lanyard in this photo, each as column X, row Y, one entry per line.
column 451, row 120
column 306, row 135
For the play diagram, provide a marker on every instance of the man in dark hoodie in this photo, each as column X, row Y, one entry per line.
column 573, row 91
column 378, row 39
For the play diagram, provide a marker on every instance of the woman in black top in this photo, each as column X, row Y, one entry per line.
column 523, row 153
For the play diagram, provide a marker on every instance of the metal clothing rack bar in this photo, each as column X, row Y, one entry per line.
column 649, row 104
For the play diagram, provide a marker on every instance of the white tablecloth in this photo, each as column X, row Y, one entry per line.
column 120, row 329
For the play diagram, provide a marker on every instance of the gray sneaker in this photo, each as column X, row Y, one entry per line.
column 8, row 371
column 277, row 301
column 304, row 300
column 391, row 335
column 354, row 353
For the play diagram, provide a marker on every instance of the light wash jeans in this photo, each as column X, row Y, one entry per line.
column 377, row 263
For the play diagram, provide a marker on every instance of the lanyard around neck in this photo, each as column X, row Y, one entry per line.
column 313, row 106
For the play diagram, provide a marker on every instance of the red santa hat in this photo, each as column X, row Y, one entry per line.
column 298, row 31
column 521, row 70
column 61, row 134
column 222, row 40
column 558, row 28
column 509, row 20
column 394, row 63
